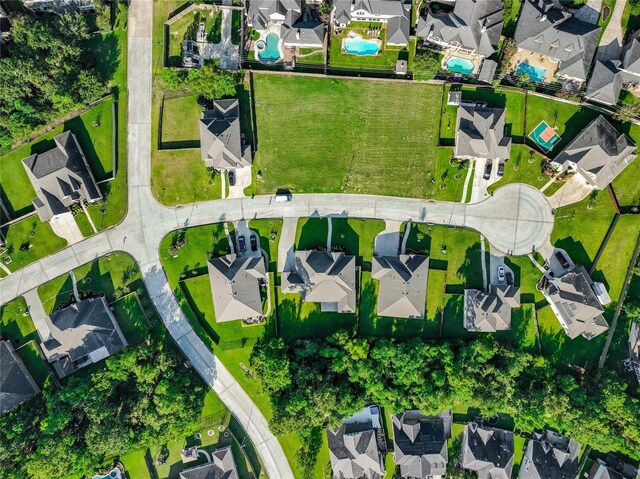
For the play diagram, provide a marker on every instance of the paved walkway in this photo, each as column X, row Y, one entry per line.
column 610, row 45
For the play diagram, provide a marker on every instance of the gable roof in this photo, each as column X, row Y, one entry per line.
column 403, row 285
column 420, row 443
column 324, row 277
column 354, row 453
column 235, row 286
column 490, row 312
column 575, row 304
column 555, row 33
column 474, row 24
column 605, row 82
column 303, row 33
column 550, row 456
column 261, row 12
column 16, row 384
column 480, row 133
column 80, row 334
column 634, row 343
column 599, row 152
column 487, row 451
column 221, row 142
column 222, row 466
column 60, row 177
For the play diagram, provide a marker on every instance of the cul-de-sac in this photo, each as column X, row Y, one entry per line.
column 319, row 239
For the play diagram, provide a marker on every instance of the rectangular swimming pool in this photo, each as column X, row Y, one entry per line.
column 536, row 74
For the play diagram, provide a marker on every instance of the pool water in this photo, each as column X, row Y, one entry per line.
column 271, row 53
column 535, row 73
column 459, row 65
column 356, row 45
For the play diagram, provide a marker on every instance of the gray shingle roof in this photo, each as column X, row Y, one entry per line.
column 403, row 285
column 261, row 12
column 487, row 71
column 474, row 24
column 634, row 342
column 323, row 277
column 354, row 453
column 59, row 7
column 60, row 177
column 222, row 466
column 398, row 30
column 555, row 33
column 576, row 305
column 480, row 133
column 308, row 34
column 599, row 153
column 235, row 286
column 600, row 471
column 396, row 12
column 420, row 443
column 550, row 456
column 78, row 335
column 16, row 384
column 221, row 142
column 605, row 82
column 487, row 451
column 490, row 312
column 631, row 53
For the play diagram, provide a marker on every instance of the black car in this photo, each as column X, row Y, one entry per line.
column 487, row 170
column 501, row 168
column 242, row 245
column 254, row 243
column 232, row 178
column 563, row 261
column 509, row 279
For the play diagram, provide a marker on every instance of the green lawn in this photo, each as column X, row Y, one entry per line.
column 524, row 166
column 131, row 319
column 377, row 140
column 522, row 334
column 449, row 178
column 135, row 465
column 186, row 28
column 526, row 275
column 180, row 120
column 313, row 56
column 236, row 24
column 627, row 184
column 511, row 10
column 34, row 363
column 269, row 232
column 452, row 326
column 311, row 233
column 630, row 17
column 513, row 101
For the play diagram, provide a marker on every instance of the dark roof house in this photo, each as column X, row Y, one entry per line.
column 403, row 285
column 323, row 277
column 490, row 312
column 5, row 26
column 59, row 7
column 487, row 451
column 235, row 286
column 599, row 153
column 550, row 456
column 555, row 33
column 395, row 13
column 303, row 34
column 575, row 304
column 221, row 141
column 612, row 468
column 78, row 335
column 60, row 177
column 262, row 12
column 16, row 384
column 480, row 133
column 222, row 466
column 473, row 24
column 420, row 443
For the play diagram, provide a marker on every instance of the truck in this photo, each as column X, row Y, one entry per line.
column 283, row 197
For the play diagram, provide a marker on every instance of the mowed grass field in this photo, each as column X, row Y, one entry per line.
column 317, row 135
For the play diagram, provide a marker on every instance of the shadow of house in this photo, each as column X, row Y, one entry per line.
column 313, row 234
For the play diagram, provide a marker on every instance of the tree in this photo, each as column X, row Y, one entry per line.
column 211, row 82
column 627, row 113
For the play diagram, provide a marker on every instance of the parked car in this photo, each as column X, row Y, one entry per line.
column 242, row 244
column 501, row 274
column 254, row 243
column 509, row 279
column 501, row 168
column 563, row 261
column 232, row 178
column 487, row 170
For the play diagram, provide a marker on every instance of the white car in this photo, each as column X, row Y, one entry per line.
column 501, row 274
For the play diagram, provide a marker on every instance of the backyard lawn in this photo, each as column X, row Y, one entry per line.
column 522, row 334
column 346, row 136
column 180, row 122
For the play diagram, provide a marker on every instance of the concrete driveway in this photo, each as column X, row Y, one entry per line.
column 243, row 180
column 496, row 260
column 610, row 45
column 286, row 245
column 65, row 226
column 480, row 184
column 242, row 229
column 388, row 240
column 573, row 191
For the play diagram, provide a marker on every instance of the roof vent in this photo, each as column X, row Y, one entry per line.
column 543, row 17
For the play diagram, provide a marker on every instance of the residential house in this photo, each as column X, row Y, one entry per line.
column 420, row 444
column 5, row 26
column 575, row 304
column 491, row 311
column 487, row 451
column 548, row 31
column 634, row 348
column 612, row 468
column 396, row 14
column 480, row 133
column 355, row 447
column 235, row 287
column 550, row 456
column 599, row 153
column 80, row 334
column 60, row 7
column 16, row 384
column 328, row 278
column 221, row 142
column 474, row 26
column 297, row 25
column 403, row 285
column 222, row 466
column 61, row 177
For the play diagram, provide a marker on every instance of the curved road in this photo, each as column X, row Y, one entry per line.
column 516, row 220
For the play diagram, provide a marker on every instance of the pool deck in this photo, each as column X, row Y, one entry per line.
column 535, row 60
column 475, row 59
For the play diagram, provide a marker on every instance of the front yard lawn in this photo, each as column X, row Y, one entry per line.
column 346, row 136
column 180, row 120
column 269, row 232
column 448, row 178
column 311, row 233
column 529, row 169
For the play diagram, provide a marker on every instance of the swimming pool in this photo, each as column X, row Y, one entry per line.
column 356, row 45
column 114, row 474
column 270, row 51
column 535, row 73
column 459, row 65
